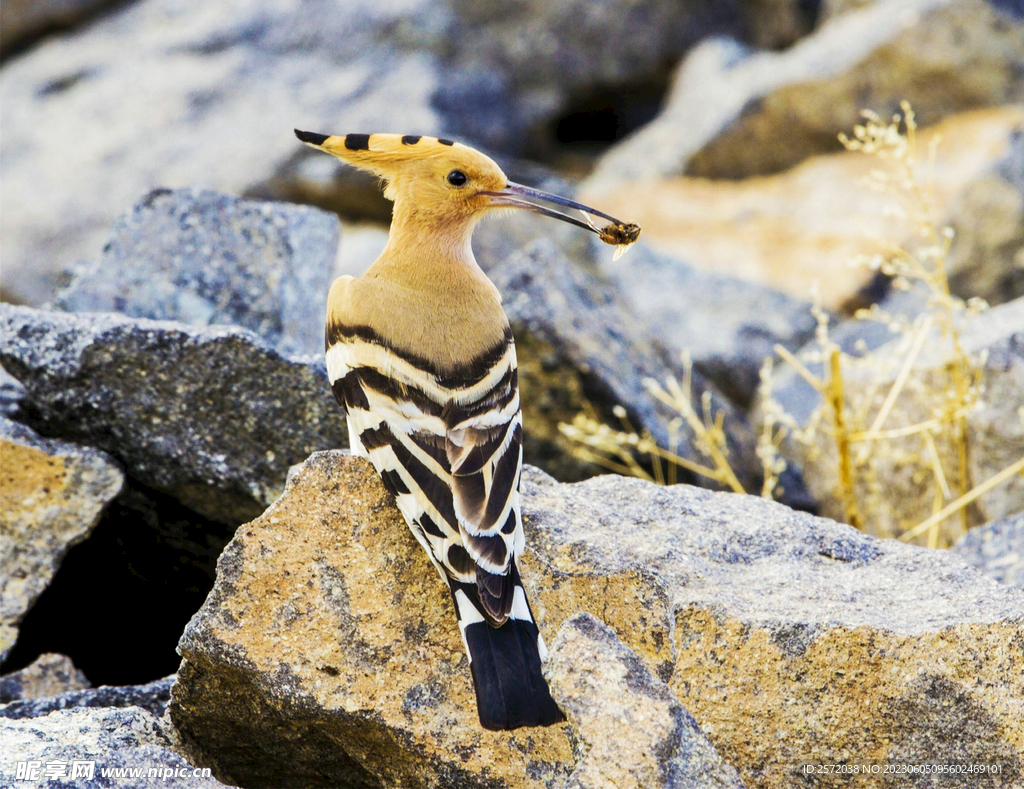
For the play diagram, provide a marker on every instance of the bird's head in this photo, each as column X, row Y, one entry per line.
column 441, row 182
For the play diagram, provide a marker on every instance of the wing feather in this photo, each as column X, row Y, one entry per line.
column 451, row 455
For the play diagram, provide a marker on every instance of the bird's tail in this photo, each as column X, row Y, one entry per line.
column 506, row 662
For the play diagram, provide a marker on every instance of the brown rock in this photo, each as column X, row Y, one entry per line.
column 49, row 675
column 51, row 495
column 805, row 225
column 636, row 733
column 328, row 654
column 329, row 647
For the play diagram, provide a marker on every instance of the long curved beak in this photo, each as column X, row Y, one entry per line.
column 519, row 196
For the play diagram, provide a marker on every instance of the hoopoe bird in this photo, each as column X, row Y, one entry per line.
column 421, row 357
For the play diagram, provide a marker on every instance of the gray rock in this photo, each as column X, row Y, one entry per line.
column 986, row 258
column 212, row 416
column 499, row 86
column 201, row 257
column 48, row 675
column 11, row 394
column 995, row 429
column 82, row 743
column 563, row 320
column 159, row 94
column 328, row 644
column 152, row 697
column 23, row 21
column 52, row 496
column 636, row 733
column 729, row 326
column 734, row 113
column 996, row 549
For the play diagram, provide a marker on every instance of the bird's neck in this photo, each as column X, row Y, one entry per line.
column 427, row 254
column 428, row 295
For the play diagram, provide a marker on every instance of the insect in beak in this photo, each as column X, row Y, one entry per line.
column 617, row 233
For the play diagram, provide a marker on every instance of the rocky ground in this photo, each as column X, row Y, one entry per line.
column 197, row 581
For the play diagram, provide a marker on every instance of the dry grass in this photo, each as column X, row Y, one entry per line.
column 858, row 427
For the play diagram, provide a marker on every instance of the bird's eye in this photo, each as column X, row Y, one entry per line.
column 457, row 178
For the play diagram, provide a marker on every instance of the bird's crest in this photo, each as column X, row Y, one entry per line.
column 392, row 155
column 379, row 153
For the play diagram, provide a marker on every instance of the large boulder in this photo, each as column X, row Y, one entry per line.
column 213, row 416
column 51, row 496
column 636, row 733
column 733, row 113
column 200, row 257
column 125, row 748
column 328, row 653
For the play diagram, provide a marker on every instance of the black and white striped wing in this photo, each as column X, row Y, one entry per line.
column 449, row 447
column 484, row 444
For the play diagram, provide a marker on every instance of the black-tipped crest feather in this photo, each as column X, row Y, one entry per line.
column 311, row 138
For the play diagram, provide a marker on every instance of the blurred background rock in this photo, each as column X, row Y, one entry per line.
column 660, row 106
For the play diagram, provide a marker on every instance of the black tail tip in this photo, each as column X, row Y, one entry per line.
column 311, row 137
column 511, row 691
column 546, row 714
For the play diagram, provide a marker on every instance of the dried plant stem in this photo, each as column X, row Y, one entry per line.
column 770, row 438
column 904, row 374
column 942, row 492
column 797, row 365
column 901, row 432
column 963, row 501
column 834, row 394
column 689, row 465
column 678, row 397
column 960, row 365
